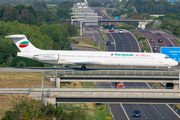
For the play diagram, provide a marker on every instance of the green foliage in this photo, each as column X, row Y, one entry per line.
column 154, row 7
column 127, row 27
column 177, row 30
column 64, row 10
column 141, row 38
column 44, row 37
column 170, row 22
column 145, row 48
column 105, row 25
column 34, row 109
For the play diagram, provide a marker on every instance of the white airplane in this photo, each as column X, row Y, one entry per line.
column 89, row 57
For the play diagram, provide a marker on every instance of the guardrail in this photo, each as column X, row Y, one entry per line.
column 115, row 93
column 175, row 108
column 14, row 91
column 115, row 73
column 109, row 108
column 113, row 87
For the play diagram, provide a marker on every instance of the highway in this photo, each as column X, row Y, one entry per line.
column 148, row 111
column 167, row 39
column 105, row 17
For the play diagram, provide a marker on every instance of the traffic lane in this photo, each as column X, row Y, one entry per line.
column 148, row 37
column 105, row 17
column 112, row 46
column 120, row 47
column 172, row 39
column 134, row 42
column 116, row 108
column 136, row 85
column 148, row 112
column 118, row 112
column 165, row 42
column 98, row 38
column 127, row 43
column 156, row 37
column 105, row 84
column 129, row 108
column 110, row 38
column 166, row 112
column 158, row 112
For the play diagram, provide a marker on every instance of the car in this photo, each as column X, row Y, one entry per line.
column 136, row 113
column 158, row 33
column 160, row 40
column 122, row 41
column 108, row 43
column 152, row 40
column 102, row 28
column 120, row 31
column 170, row 45
column 155, row 48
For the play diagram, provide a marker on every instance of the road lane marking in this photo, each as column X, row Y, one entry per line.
column 169, row 40
column 129, row 42
column 114, row 41
column 173, row 111
column 148, row 85
column 136, row 41
column 124, row 111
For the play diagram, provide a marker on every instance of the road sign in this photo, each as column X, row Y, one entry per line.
column 172, row 52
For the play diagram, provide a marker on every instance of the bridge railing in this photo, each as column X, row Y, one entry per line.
column 113, row 73
column 113, row 87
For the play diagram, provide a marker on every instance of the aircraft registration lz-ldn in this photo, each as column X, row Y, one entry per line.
column 84, row 58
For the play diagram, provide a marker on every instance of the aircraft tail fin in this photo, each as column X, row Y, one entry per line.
column 22, row 43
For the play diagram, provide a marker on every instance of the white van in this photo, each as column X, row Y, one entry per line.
column 120, row 32
column 102, row 28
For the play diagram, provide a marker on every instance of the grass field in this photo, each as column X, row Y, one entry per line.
column 21, row 80
column 7, row 102
column 86, row 42
column 27, row 80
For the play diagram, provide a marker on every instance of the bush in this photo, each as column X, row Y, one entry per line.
column 141, row 38
column 35, row 109
column 127, row 27
column 145, row 48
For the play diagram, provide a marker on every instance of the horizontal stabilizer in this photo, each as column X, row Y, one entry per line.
column 15, row 36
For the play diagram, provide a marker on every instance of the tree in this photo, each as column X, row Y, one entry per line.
column 35, row 109
column 177, row 30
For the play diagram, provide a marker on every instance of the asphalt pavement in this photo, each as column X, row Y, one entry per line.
column 167, row 39
column 125, row 111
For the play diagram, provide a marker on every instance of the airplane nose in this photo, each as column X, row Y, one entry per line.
column 175, row 63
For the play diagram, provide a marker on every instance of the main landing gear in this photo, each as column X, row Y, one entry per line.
column 83, row 67
column 169, row 69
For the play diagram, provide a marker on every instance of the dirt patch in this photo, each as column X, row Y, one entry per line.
column 21, row 80
column 7, row 102
column 91, row 106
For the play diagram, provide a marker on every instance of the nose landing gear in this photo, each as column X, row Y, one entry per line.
column 83, row 67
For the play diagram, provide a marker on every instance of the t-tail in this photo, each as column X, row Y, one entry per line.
column 22, row 43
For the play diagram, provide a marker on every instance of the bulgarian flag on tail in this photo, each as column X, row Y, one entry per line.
column 23, row 44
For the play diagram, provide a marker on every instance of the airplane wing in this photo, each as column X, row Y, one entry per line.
column 86, row 62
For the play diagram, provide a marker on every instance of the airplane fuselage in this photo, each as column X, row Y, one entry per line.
column 102, row 58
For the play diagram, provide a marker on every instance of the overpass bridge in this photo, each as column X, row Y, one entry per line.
column 115, row 76
column 99, row 95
